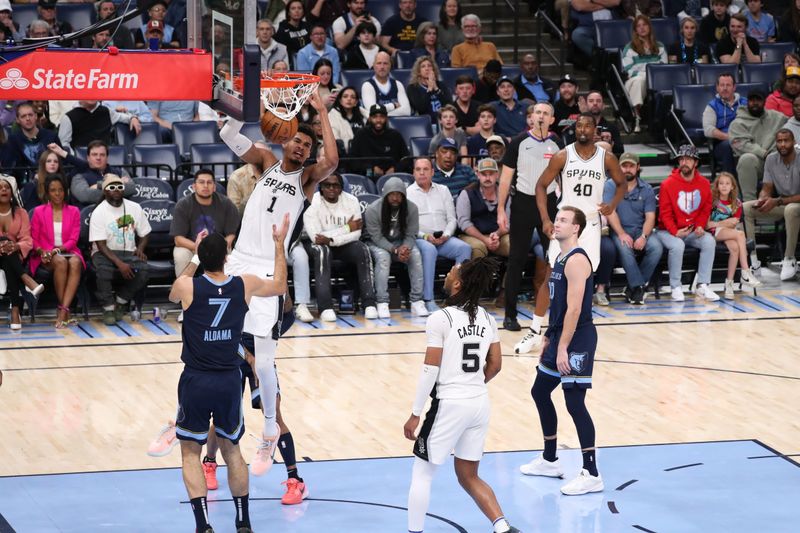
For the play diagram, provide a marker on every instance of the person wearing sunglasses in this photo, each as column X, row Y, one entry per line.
column 118, row 231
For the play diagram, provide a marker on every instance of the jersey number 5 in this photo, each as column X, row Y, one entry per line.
column 469, row 358
column 583, row 190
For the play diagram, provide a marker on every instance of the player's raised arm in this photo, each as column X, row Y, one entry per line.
column 553, row 169
column 243, row 147
column 614, row 170
column 255, row 286
column 330, row 160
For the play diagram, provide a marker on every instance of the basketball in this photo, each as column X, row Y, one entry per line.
column 276, row 129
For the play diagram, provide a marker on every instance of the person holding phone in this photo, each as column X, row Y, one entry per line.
column 437, row 225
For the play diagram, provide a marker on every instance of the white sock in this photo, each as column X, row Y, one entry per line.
column 268, row 382
column 419, row 494
column 501, row 525
column 536, row 323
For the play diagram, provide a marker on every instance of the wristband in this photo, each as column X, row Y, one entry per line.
column 427, row 380
column 195, row 260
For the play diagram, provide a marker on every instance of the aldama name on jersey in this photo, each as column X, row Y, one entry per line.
column 280, row 186
column 580, row 173
column 215, row 335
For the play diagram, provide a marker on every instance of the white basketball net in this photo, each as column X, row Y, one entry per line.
column 287, row 93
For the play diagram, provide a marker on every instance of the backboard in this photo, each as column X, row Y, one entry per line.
column 227, row 28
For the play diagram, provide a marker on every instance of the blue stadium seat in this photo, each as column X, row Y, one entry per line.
column 612, row 35
column 707, row 74
column 217, row 157
column 420, row 146
column 662, row 78
column 152, row 189
column 78, row 15
column 365, row 199
column 157, row 155
column 356, row 184
column 767, row 73
column 159, row 215
column 770, row 52
column 403, row 75
column 449, row 75
column 512, row 71
column 689, row 101
column 408, row 178
column 186, row 187
column 252, row 130
column 410, row 127
column 744, row 88
column 117, row 155
column 148, row 135
column 356, row 78
column 665, row 30
column 83, row 240
column 405, row 59
column 185, row 134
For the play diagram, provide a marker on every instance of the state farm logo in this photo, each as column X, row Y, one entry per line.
column 47, row 78
column 14, row 80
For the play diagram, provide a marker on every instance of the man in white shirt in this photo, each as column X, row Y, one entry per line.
column 271, row 50
column 383, row 89
column 345, row 34
column 437, row 224
column 113, row 230
column 333, row 223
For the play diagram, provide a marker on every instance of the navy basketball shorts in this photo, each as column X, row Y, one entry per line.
column 580, row 355
column 205, row 395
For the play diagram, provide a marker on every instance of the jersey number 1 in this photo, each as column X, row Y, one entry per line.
column 469, row 358
column 272, row 204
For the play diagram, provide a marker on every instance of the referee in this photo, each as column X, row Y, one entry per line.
column 528, row 154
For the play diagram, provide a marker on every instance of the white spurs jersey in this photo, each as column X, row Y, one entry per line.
column 276, row 193
column 465, row 347
column 582, row 181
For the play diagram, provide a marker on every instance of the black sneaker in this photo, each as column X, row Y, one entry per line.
column 628, row 294
column 511, row 324
column 638, row 295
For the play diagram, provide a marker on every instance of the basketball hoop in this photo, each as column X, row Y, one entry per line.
column 284, row 94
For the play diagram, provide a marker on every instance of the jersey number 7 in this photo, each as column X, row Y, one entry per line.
column 470, row 361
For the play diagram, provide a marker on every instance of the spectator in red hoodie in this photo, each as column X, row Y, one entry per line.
column 684, row 207
column 781, row 99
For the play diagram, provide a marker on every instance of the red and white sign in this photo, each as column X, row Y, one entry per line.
column 108, row 75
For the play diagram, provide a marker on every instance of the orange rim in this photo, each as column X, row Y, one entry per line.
column 288, row 79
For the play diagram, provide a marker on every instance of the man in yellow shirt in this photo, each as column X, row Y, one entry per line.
column 474, row 51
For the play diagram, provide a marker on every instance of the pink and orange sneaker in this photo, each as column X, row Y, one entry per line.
column 210, row 472
column 296, row 492
column 164, row 442
column 264, row 455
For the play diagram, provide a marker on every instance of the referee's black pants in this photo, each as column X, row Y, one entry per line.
column 524, row 219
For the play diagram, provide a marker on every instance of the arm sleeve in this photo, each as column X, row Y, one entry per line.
column 464, row 211
column 116, row 116
column 436, row 330
column 65, row 133
column 742, row 140
column 456, row 58
column 311, row 220
column 649, row 200
column 703, row 214
column 450, row 208
column 96, row 230
column 609, row 189
column 709, row 121
column 628, row 55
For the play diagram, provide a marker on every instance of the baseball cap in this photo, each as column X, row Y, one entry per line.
column 110, row 179
column 758, row 94
column 503, row 79
column 495, row 139
column 487, row 165
column 377, row 109
column 5, row 5
column 47, row 3
column 687, row 150
column 448, row 142
column 568, row 79
column 155, row 25
column 629, row 157
column 793, row 72
column 493, row 65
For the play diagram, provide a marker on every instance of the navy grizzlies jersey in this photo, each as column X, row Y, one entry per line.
column 558, row 296
column 212, row 325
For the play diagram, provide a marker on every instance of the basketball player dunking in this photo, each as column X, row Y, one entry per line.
column 214, row 307
column 463, row 354
column 583, row 168
column 568, row 355
column 283, row 187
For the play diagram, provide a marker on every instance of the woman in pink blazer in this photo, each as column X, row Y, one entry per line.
column 55, row 229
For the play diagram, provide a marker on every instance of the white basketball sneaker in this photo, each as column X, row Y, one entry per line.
column 418, row 309
column 303, row 314
column 788, row 268
column 583, row 484
column 542, row 467
column 530, row 341
column 677, row 294
column 703, row 291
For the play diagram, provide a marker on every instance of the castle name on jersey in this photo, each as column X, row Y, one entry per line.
column 581, row 173
column 214, row 335
column 280, row 186
column 471, row 330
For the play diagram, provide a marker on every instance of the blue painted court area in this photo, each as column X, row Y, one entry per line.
column 734, row 486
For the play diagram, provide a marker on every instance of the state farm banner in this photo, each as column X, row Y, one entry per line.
column 49, row 74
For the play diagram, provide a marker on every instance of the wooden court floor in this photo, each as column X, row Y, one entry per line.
column 664, row 373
